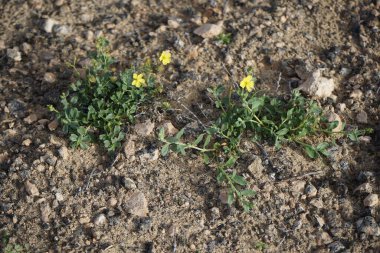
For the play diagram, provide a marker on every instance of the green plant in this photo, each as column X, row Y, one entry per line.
column 100, row 106
column 261, row 246
column 8, row 247
column 224, row 38
column 260, row 118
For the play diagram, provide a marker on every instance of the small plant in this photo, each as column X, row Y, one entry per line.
column 224, row 38
column 100, row 106
column 260, row 118
column 8, row 247
column 261, row 246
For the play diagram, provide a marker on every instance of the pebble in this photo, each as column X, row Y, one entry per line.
column 364, row 188
column 112, row 202
column 336, row 247
column 136, row 204
column 26, row 48
column 362, row 117
column 53, row 125
column 130, row 146
column 150, row 155
column 341, row 107
column 169, row 128
column 62, row 30
column 316, row 203
column 63, row 152
column 318, row 86
column 229, row 60
column 371, row 200
column 84, row 219
column 50, row 77
column 311, row 191
column 27, row 142
column 45, row 212
column 14, row 54
column 31, row 118
column 368, row 226
column 128, row 183
column 31, row 189
column 207, row 31
column 59, row 2
column 59, row 197
column 298, row 186
column 145, row 129
column 173, row 23
column 356, row 94
column 49, row 24
column 100, row 220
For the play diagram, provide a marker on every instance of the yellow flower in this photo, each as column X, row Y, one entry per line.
column 247, row 83
column 138, row 80
column 165, row 57
column 113, row 78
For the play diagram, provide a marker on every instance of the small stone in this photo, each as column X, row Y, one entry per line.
column 169, row 128
column 40, row 168
column 86, row 17
column 45, row 212
column 365, row 139
column 31, row 118
column 318, row 86
column 229, row 60
column 89, row 35
column 144, row 129
column 356, row 94
column 128, row 183
column 371, row 200
column 63, row 152
column 209, row 30
column 53, row 125
column 26, row 48
column 112, row 202
column 14, row 54
column 215, row 213
column 150, row 155
column 49, row 24
column 364, row 188
column 298, row 186
column 336, row 247
column 332, row 117
column 100, row 220
column 130, row 146
column 84, row 219
column 31, row 189
column 62, row 30
column 27, row 142
column 50, row 77
column 173, row 23
column 193, row 247
column 341, row 107
column 136, row 204
column 368, row 226
column 316, row 203
column 256, row 167
column 311, row 191
column 362, row 117
column 223, row 196
column 59, row 197
column 59, row 3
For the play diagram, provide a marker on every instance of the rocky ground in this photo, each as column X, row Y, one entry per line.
column 57, row 199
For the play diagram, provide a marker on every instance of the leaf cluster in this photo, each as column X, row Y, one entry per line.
column 98, row 107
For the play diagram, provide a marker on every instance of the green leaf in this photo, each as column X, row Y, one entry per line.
column 248, row 193
column 310, row 151
column 73, row 137
column 239, row 180
column 206, row 158
column 231, row 161
column 322, row 146
column 161, row 134
column 179, row 134
column 207, row 141
column 198, row 140
column 230, row 197
column 165, row 149
column 282, row 132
